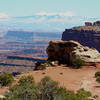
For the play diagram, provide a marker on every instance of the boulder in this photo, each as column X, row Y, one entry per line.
column 67, row 51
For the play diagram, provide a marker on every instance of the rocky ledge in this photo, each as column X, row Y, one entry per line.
column 67, row 51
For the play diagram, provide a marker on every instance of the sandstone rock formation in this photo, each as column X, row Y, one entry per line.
column 97, row 23
column 67, row 51
column 88, row 24
column 88, row 35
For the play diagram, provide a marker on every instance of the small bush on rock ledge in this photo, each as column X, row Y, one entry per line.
column 98, row 79
column 42, row 66
column 78, row 62
column 97, row 76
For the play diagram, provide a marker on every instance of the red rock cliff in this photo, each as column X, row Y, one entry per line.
column 86, row 35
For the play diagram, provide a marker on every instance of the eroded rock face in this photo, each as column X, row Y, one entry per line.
column 88, row 35
column 66, row 51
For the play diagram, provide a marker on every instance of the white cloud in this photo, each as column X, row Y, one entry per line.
column 54, row 14
column 3, row 16
column 48, row 17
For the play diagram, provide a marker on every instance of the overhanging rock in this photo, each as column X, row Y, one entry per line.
column 67, row 51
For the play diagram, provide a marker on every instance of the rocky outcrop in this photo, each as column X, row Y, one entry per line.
column 67, row 51
column 88, row 35
column 97, row 23
column 88, row 24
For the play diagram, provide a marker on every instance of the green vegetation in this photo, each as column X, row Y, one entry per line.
column 78, row 62
column 83, row 94
column 48, row 63
column 97, row 76
column 6, row 79
column 24, row 90
column 4, row 99
column 98, row 79
column 46, row 89
column 42, row 66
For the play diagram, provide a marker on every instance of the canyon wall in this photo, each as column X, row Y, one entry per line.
column 86, row 35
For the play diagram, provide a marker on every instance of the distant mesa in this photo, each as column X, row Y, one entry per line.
column 22, row 35
column 88, row 35
column 29, row 35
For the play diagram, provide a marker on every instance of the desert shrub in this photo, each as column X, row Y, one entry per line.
column 48, row 63
column 70, row 95
column 47, row 89
column 24, row 90
column 5, row 99
column 98, row 79
column 97, row 74
column 78, row 62
column 64, row 94
column 41, row 67
column 26, row 79
column 2, row 99
column 83, row 94
column 6, row 79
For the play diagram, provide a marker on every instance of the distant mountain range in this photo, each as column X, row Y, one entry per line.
column 43, row 22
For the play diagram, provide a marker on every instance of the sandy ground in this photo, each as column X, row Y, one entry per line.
column 3, row 90
column 72, row 79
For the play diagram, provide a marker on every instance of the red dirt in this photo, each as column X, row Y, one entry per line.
column 72, row 79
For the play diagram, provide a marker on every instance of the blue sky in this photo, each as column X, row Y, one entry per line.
column 89, row 8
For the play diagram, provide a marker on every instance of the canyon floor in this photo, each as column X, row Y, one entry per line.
column 72, row 79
